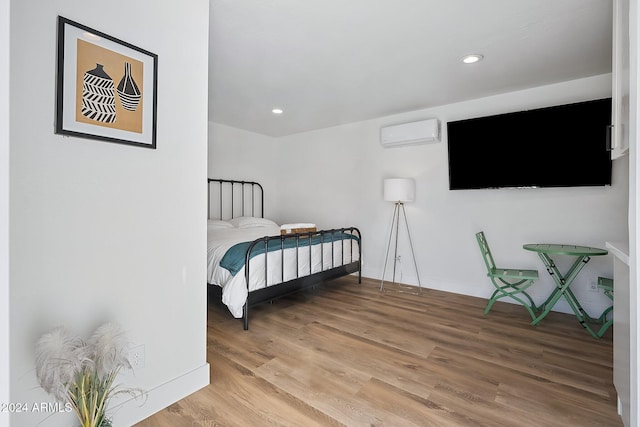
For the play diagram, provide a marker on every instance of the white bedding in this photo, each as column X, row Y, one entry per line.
column 234, row 290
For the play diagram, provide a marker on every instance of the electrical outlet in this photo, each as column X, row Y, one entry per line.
column 137, row 357
column 593, row 287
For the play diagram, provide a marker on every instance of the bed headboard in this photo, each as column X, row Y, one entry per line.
column 229, row 198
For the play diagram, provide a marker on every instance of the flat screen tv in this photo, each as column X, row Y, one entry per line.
column 560, row 146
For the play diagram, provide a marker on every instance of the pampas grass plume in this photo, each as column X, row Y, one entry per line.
column 59, row 356
column 108, row 346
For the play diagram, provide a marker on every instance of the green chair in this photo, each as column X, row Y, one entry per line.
column 606, row 285
column 509, row 283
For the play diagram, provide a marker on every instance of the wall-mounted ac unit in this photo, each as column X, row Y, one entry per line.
column 410, row 133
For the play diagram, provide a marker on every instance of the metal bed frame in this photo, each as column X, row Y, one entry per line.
column 251, row 203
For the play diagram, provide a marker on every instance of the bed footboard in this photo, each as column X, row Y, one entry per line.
column 335, row 253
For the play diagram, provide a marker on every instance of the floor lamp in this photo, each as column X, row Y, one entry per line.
column 399, row 191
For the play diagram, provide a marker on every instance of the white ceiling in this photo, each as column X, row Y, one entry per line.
column 329, row 62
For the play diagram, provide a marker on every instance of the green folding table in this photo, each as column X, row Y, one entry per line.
column 563, row 282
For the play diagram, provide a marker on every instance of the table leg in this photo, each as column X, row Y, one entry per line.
column 557, row 292
column 563, row 283
column 583, row 313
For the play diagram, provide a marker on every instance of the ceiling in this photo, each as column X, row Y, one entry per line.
column 330, row 62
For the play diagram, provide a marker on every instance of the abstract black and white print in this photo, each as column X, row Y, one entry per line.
column 98, row 96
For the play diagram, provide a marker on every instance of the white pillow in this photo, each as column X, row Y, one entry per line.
column 216, row 224
column 251, row 222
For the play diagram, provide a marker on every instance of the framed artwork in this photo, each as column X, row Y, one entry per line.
column 106, row 88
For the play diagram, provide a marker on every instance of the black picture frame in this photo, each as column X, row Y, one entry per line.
column 106, row 88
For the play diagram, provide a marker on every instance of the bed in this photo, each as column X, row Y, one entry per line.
column 252, row 260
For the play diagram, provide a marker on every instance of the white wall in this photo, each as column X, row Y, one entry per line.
column 4, row 207
column 242, row 155
column 333, row 177
column 103, row 231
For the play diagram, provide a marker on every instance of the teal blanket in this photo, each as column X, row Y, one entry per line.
column 233, row 260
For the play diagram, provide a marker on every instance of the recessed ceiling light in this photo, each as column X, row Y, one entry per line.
column 470, row 59
column 277, row 111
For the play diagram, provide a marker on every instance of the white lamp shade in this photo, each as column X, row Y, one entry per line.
column 399, row 190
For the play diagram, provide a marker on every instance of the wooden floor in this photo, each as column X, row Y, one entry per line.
column 346, row 354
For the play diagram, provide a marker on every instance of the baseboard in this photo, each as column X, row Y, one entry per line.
column 133, row 411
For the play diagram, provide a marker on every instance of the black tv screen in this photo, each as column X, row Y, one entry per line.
column 560, row 146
